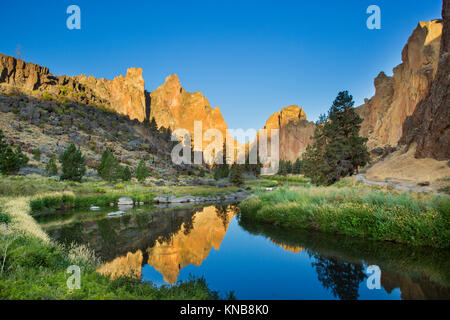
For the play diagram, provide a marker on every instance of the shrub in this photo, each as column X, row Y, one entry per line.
column 51, row 169
column 142, row 171
column 37, row 155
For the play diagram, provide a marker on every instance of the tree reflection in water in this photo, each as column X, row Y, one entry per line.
column 340, row 277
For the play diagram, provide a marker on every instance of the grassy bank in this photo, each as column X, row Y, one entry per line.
column 357, row 210
column 287, row 179
column 33, row 267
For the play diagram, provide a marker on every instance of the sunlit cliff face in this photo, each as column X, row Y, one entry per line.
column 190, row 245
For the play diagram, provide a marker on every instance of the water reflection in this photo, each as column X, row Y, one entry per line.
column 252, row 259
column 339, row 262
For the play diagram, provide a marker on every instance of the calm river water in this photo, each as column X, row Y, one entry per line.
column 165, row 245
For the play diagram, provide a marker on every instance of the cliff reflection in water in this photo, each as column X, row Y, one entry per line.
column 190, row 245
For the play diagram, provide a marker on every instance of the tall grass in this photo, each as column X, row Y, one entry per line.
column 400, row 217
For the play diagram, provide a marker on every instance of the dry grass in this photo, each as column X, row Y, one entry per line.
column 21, row 221
column 403, row 168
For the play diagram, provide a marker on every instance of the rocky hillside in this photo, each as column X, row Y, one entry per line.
column 49, row 126
column 429, row 124
column 124, row 95
column 396, row 97
column 170, row 105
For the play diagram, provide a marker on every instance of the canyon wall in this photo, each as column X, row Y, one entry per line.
column 429, row 124
column 294, row 131
column 396, row 97
column 124, row 95
column 173, row 107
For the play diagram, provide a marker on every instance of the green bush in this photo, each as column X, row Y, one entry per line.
column 73, row 166
column 51, row 169
column 142, row 171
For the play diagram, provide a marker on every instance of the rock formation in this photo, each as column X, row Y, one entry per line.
column 173, row 107
column 190, row 247
column 294, row 131
column 429, row 124
column 124, row 95
column 397, row 97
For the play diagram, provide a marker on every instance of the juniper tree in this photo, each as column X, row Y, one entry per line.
column 10, row 160
column 72, row 162
column 142, row 171
column 51, row 169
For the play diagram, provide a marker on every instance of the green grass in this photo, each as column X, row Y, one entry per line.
column 33, row 267
column 288, row 179
column 422, row 220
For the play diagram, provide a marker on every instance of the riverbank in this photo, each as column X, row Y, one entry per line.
column 352, row 208
column 34, row 267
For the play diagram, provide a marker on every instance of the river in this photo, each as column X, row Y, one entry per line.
column 166, row 245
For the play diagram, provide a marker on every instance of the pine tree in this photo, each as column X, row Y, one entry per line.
column 109, row 168
column 72, row 162
column 337, row 149
column 297, row 167
column 51, row 169
column 221, row 170
column 142, row 171
column 153, row 124
column 236, row 175
column 12, row 160
column 126, row 174
column 3, row 144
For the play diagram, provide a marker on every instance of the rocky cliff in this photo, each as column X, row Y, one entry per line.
column 124, row 95
column 294, row 131
column 396, row 97
column 429, row 124
column 173, row 107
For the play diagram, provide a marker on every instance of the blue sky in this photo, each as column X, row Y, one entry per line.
column 249, row 57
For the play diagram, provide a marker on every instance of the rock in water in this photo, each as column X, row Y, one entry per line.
column 125, row 201
column 116, row 214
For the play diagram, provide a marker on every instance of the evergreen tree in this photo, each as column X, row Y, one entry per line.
column 109, row 168
column 126, row 174
column 153, row 124
column 337, row 149
column 12, row 160
column 297, row 167
column 72, row 162
column 236, row 175
column 221, row 170
column 142, row 171
column 51, row 169
column 3, row 144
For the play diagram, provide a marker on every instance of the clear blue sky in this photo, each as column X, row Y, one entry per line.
column 249, row 57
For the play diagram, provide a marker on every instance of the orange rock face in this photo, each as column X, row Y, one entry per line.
column 397, row 97
column 189, row 248
column 429, row 125
column 126, row 95
column 294, row 131
column 175, row 108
